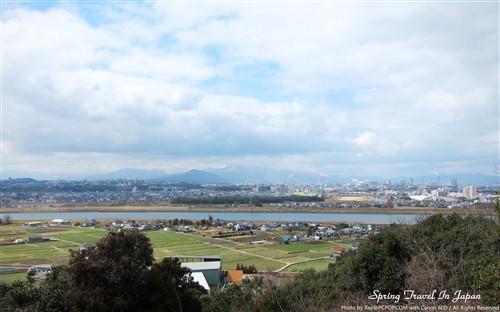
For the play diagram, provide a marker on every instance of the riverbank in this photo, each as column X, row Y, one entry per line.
column 90, row 207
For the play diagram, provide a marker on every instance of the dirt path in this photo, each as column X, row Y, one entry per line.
column 236, row 250
column 287, row 264
column 249, row 253
column 67, row 241
column 303, row 261
column 58, row 249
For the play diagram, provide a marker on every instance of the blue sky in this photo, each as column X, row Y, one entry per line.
column 337, row 88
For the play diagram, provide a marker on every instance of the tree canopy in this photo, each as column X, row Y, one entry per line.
column 119, row 275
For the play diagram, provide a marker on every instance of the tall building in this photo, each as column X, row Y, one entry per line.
column 470, row 191
column 453, row 182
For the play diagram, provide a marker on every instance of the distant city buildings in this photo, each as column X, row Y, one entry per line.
column 470, row 191
column 25, row 193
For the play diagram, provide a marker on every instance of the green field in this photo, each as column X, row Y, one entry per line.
column 265, row 257
column 318, row 265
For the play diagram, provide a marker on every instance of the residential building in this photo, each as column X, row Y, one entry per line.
column 470, row 191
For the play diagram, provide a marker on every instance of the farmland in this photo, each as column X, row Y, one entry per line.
column 267, row 256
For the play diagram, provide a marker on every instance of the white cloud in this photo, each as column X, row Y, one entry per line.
column 366, row 139
column 233, row 82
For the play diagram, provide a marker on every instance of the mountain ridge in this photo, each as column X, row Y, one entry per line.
column 254, row 175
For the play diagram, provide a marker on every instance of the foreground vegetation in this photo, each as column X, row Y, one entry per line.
column 444, row 253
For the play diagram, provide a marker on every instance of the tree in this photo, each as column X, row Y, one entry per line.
column 311, row 230
column 236, row 298
column 18, row 296
column 462, row 247
column 487, row 275
column 54, row 290
column 120, row 275
column 170, row 287
column 7, row 219
column 232, row 298
column 379, row 264
column 111, row 277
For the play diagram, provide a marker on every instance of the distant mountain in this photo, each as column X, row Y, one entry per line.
column 256, row 175
column 197, row 176
column 253, row 175
column 129, row 174
column 247, row 174
column 40, row 176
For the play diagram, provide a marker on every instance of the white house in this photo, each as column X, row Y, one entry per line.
column 40, row 271
column 58, row 222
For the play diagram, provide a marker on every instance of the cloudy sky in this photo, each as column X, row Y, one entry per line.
column 371, row 88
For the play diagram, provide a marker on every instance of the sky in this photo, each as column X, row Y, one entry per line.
column 331, row 87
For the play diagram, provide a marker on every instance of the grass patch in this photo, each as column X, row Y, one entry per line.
column 7, row 278
column 165, row 243
column 292, row 247
column 318, row 265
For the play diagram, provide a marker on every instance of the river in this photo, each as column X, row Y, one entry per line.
column 247, row 216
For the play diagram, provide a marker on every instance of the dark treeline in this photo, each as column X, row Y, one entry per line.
column 250, row 269
column 238, row 200
column 91, row 186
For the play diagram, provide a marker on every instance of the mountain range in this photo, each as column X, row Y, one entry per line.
column 252, row 175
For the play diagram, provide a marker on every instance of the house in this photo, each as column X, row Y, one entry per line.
column 322, row 233
column 117, row 223
column 33, row 224
column 185, row 228
column 285, row 239
column 128, row 227
column 234, row 277
column 358, row 227
column 300, row 225
column 346, row 231
column 59, row 222
column 243, row 226
column 90, row 222
column 40, row 271
column 330, row 232
column 209, row 267
column 34, row 239
column 199, row 278
column 339, row 251
column 88, row 246
column 211, row 271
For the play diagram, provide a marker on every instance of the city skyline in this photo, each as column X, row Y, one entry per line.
column 364, row 88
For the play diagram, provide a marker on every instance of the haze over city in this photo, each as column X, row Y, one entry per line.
column 335, row 89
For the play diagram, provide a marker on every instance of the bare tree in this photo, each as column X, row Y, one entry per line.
column 7, row 219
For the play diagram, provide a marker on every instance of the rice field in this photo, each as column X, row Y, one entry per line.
column 265, row 257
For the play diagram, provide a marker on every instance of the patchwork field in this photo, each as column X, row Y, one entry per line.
column 270, row 256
